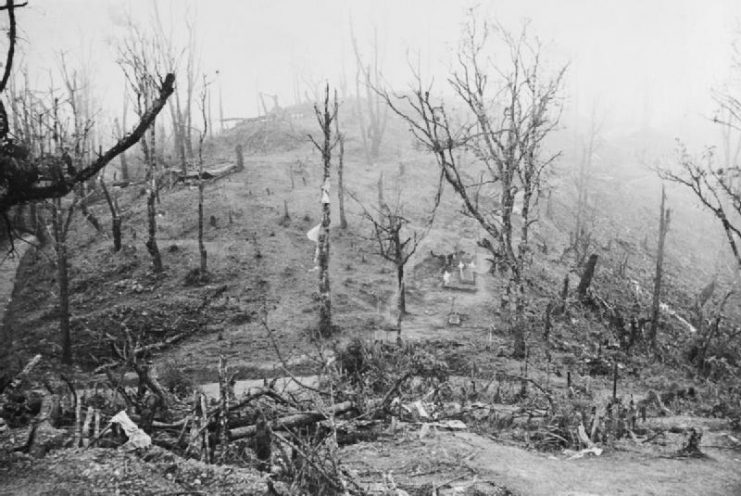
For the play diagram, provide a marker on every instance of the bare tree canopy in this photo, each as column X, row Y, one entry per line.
column 715, row 186
column 20, row 178
column 510, row 107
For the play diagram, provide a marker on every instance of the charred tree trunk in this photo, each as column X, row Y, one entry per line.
column 151, row 243
column 202, row 138
column 520, row 347
column 402, row 305
column 664, row 216
column 115, row 215
column 116, row 228
column 201, row 245
column 340, row 182
column 586, row 278
column 402, row 301
column 240, row 157
column 151, row 161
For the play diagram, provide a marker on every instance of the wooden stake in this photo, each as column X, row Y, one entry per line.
column 96, row 427
column 206, row 453
column 86, row 426
column 614, row 381
column 224, row 403
column 78, row 424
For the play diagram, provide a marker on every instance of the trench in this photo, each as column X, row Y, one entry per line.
column 10, row 262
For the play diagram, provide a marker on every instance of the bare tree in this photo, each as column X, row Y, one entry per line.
column 20, row 178
column 340, row 174
column 61, row 220
column 77, row 146
column 664, row 218
column 181, row 107
column 325, row 117
column 372, row 112
column 201, row 139
column 716, row 182
column 396, row 243
column 509, row 124
column 141, row 71
column 581, row 239
column 717, row 189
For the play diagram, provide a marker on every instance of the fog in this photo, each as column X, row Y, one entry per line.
column 640, row 63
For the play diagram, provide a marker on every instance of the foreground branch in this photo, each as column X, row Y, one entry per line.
column 22, row 190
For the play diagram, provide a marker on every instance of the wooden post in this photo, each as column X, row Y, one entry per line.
column 86, row 426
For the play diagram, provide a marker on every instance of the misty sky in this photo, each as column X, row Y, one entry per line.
column 639, row 61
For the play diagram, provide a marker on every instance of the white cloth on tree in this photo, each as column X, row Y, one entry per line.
column 313, row 233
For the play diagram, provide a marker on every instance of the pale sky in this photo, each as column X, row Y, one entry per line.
column 641, row 61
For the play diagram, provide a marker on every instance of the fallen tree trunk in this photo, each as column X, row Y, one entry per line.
column 140, row 351
column 296, row 420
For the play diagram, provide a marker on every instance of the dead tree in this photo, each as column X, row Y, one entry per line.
column 61, row 217
column 664, row 218
column 716, row 182
column 717, row 189
column 581, row 240
column 508, row 125
column 372, row 112
column 76, row 144
column 325, row 117
column 181, row 106
column 340, row 174
column 141, row 74
column 201, row 139
column 395, row 244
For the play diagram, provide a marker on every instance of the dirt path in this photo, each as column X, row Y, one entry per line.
column 465, row 456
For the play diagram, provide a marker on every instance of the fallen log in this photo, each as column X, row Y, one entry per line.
column 214, row 410
column 296, row 420
column 141, row 350
column 43, row 435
